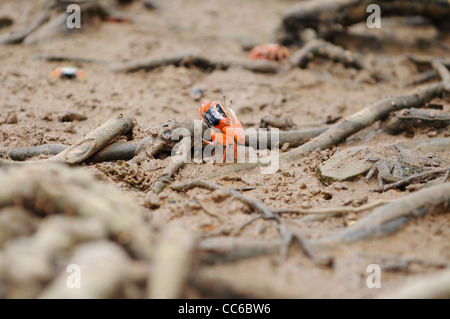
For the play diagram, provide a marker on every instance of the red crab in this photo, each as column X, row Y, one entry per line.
column 226, row 128
column 270, row 51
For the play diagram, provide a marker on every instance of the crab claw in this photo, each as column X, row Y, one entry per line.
column 81, row 75
column 56, row 73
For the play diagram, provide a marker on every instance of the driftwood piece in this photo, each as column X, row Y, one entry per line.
column 414, row 178
column 350, row 125
column 327, row 50
column 389, row 218
column 426, row 61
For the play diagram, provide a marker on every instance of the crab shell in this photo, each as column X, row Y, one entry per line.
column 68, row 73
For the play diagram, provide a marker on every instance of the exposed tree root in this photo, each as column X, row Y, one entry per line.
column 389, row 218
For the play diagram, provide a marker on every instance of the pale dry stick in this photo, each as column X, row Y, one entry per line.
column 349, row 126
column 214, row 250
column 63, row 58
column 426, row 60
column 412, row 178
column 104, row 266
column 389, row 218
column 89, row 144
column 19, row 36
column 436, row 286
column 149, row 147
column 257, row 205
column 187, row 59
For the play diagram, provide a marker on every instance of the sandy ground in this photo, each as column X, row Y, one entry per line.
column 218, row 29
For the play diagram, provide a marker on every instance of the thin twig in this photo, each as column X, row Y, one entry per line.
column 206, row 210
column 333, row 210
column 412, row 178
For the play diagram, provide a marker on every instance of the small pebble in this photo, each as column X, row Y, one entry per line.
column 197, row 93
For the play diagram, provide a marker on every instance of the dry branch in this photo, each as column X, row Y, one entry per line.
column 186, row 59
column 329, row 17
column 436, row 286
column 331, row 211
column 90, row 144
column 421, row 78
column 365, row 117
column 410, row 118
column 19, row 36
column 256, row 205
column 95, row 140
column 426, row 61
column 389, row 218
column 104, row 267
column 63, row 58
column 294, row 138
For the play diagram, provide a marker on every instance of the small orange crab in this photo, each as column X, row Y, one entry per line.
column 270, row 51
column 226, row 128
column 68, row 73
